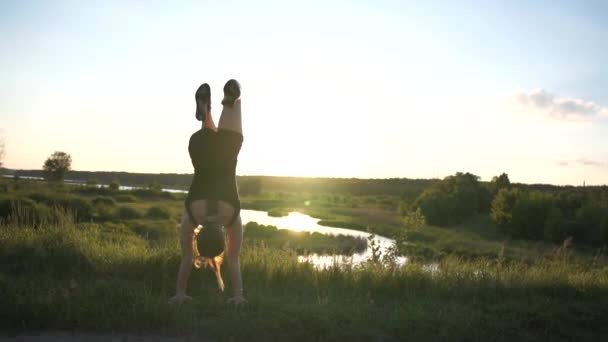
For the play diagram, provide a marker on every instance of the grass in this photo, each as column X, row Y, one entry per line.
column 117, row 275
column 110, row 277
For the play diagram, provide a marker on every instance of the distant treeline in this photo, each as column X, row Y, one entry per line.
column 403, row 187
column 407, row 189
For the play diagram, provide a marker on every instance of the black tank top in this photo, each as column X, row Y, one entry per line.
column 214, row 157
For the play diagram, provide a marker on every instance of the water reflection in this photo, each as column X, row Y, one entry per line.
column 300, row 222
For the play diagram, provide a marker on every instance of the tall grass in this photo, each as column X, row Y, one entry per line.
column 104, row 277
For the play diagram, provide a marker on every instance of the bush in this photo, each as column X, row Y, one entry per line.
column 453, row 200
column 531, row 215
column 114, row 185
column 151, row 194
column 104, row 212
column 80, row 208
column 124, row 198
column 278, row 212
column 537, row 215
column 25, row 211
column 158, row 212
column 127, row 213
column 104, row 200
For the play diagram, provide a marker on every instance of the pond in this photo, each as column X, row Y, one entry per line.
column 304, row 223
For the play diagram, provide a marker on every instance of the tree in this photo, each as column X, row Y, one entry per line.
column 57, row 165
column 115, row 185
column 453, row 200
column 500, row 182
column 154, row 186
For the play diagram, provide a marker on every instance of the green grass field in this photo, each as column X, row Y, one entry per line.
column 117, row 276
column 93, row 277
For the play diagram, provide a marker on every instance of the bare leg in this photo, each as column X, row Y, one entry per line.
column 230, row 118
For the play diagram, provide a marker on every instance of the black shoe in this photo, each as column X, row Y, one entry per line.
column 232, row 91
column 203, row 101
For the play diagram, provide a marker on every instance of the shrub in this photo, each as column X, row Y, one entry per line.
column 25, row 211
column 525, row 214
column 278, row 212
column 158, row 212
column 453, row 200
column 104, row 200
column 80, row 208
column 114, row 185
column 151, row 193
column 124, row 198
column 127, row 213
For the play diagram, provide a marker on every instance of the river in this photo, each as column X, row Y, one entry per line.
column 304, row 223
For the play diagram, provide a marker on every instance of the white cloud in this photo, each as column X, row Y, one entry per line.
column 562, row 108
column 581, row 161
column 590, row 162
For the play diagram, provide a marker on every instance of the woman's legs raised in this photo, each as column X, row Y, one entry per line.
column 231, row 112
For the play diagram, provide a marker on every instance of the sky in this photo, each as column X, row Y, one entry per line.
column 366, row 89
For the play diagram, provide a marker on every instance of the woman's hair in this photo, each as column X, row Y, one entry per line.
column 210, row 240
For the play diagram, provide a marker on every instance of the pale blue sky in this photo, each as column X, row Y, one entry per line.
column 342, row 89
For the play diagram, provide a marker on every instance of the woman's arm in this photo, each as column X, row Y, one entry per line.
column 233, row 250
column 186, row 243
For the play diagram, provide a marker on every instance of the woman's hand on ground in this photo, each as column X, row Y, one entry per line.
column 237, row 301
column 180, row 298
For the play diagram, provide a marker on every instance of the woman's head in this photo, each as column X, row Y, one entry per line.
column 203, row 101
column 210, row 240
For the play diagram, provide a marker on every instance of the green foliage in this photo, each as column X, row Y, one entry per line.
column 530, row 214
column 502, row 206
column 104, row 200
column 79, row 207
column 125, row 198
column 92, row 182
column 154, row 186
column 278, row 212
column 56, row 166
column 114, row 185
column 107, row 278
column 343, row 224
column 500, row 182
column 552, row 217
column 158, row 212
column 526, row 214
column 127, row 213
column 250, row 186
column 453, row 200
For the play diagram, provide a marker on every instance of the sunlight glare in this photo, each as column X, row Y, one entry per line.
column 297, row 221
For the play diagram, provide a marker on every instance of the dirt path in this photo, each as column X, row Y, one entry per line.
column 91, row 337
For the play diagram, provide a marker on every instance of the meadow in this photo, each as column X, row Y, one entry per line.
column 107, row 269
